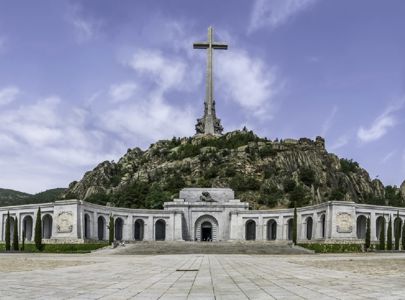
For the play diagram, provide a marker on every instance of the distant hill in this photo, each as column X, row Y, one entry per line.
column 10, row 197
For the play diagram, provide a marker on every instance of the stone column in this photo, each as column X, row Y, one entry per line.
column 177, row 227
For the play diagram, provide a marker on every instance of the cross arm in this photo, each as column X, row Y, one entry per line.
column 220, row 46
column 200, row 45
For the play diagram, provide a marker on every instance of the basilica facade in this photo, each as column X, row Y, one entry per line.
column 201, row 214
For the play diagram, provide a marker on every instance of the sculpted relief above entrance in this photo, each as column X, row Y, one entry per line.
column 64, row 222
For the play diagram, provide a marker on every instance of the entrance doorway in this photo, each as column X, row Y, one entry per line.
column 206, row 232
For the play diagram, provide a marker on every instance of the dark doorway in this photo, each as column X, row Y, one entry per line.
column 361, row 227
column 138, row 235
column 100, row 228
column 250, row 230
column 309, row 228
column 160, row 230
column 290, row 229
column 86, row 226
column 206, row 232
column 119, row 224
column 272, row 230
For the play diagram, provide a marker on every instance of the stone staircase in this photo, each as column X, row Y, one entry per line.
column 244, row 247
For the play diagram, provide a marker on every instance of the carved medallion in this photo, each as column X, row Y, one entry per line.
column 344, row 223
column 65, row 222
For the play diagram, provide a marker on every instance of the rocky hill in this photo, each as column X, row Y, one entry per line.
column 11, row 197
column 265, row 173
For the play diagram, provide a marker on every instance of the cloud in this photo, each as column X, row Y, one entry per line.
column 273, row 13
column 123, row 91
column 8, row 94
column 388, row 156
column 339, row 143
column 86, row 29
column 328, row 122
column 248, row 81
column 381, row 125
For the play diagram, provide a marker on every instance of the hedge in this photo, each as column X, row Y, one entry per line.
column 333, row 248
column 62, row 248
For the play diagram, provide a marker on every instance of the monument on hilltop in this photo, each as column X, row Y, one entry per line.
column 209, row 123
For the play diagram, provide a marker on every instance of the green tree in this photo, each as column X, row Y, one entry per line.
column 368, row 235
column 389, row 235
column 38, row 231
column 307, row 176
column 382, row 235
column 15, row 235
column 111, row 230
column 294, row 233
column 397, row 227
column 23, row 241
column 7, row 233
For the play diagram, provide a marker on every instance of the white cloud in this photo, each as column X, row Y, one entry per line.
column 274, row 13
column 167, row 72
column 8, row 94
column 85, row 29
column 123, row 91
column 339, row 143
column 381, row 125
column 388, row 156
column 328, row 122
column 247, row 81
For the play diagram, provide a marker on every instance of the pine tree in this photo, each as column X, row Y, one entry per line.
column 294, row 237
column 368, row 235
column 23, row 241
column 403, row 236
column 7, row 232
column 382, row 235
column 15, row 235
column 389, row 235
column 111, row 230
column 398, row 227
column 38, row 231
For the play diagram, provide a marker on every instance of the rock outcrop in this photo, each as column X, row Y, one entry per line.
column 265, row 173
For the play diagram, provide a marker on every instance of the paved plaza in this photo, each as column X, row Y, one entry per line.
column 103, row 276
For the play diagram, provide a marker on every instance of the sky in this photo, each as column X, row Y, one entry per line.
column 83, row 81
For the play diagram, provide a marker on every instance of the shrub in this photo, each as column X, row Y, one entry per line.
column 299, row 196
column 111, row 230
column 267, row 151
column 38, row 231
column 7, row 232
column 348, row 165
column 389, row 235
column 243, row 183
column 333, row 248
column 337, row 194
column 307, row 176
column 15, row 235
column 289, row 185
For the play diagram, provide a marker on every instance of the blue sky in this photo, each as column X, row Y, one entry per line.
column 83, row 81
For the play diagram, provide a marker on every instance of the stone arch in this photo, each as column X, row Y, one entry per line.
column 87, row 226
column 272, row 230
column 12, row 220
column 27, row 227
column 47, row 226
column 250, row 230
column 290, row 229
column 206, row 228
column 309, row 227
column 139, row 228
column 119, row 226
column 160, row 230
column 361, row 225
column 101, row 225
column 323, row 225
column 379, row 225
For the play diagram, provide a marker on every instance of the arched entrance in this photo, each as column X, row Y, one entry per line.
column 27, row 227
column 119, row 224
column 323, row 226
column 47, row 227
column 160, row 230
column 250, row 230
column 206, row 228
column 290, row 229
column 139, row 230
column 361, row 227
column 379, row 226
column 206, row 231
column 86, row 226
column 100, row 228
column 272, row 230
column 309, row 228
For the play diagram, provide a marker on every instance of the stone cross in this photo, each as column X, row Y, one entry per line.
column 209, row 123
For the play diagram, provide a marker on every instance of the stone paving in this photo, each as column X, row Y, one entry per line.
column 102, row 276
